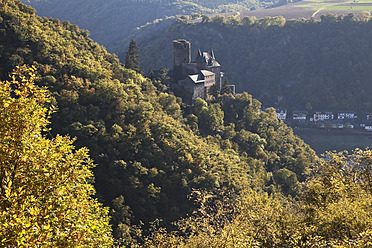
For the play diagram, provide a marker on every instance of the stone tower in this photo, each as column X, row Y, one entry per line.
column 182, row 52
column 182, row 56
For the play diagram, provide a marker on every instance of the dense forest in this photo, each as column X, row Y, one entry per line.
column 214, row 173
column 298, row 64
column 111, row 21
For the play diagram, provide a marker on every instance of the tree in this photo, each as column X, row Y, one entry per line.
column 213, row 91
column 45, row 194
column 132, row 57
column 164, row 77
column 288, row 181
column 226, row 88
column 205, row 19
column 210, row 116
column 251, row 143
column 338, row 199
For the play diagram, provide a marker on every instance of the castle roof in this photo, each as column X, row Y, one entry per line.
column 200, row 77
column 205, row 57
column 206, row 73
column 196, row 79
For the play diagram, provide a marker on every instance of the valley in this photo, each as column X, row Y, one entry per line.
column 154, row 148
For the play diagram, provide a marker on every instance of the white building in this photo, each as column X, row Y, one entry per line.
column 346, row 115
column 323, row 116
column 299, row 115
column 281, row 114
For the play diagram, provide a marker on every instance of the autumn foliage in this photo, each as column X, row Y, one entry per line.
column 45, row 194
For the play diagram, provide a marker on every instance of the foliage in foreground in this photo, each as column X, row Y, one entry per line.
column 335, row 210
column 45, row 190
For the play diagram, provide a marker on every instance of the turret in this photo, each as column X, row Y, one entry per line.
column 212, row 54
column 199, row 54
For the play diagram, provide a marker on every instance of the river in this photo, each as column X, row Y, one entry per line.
column 335, row 140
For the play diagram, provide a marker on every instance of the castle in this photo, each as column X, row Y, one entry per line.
column 195, row 79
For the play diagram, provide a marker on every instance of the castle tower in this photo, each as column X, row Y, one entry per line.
column 182, row 56
column 181, row 52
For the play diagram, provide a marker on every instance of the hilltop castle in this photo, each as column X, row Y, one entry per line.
column 196, row 78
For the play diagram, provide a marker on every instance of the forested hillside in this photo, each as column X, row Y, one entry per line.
column 210, row 173
column 111, row 21
column 318, row 64
column 145, row 149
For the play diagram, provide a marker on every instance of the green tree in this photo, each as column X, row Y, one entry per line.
column 226, row 88
column 132, row 57
column 251, row 143
column 213, row 91
column 288, row 181
column 210, row 116
column 164, row 77
column 45, row 194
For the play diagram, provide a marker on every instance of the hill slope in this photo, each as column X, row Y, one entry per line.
column 224, row 162
column 151, row 150
column 113, row 20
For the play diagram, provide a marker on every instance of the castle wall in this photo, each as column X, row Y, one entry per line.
column 199, row 91
column 219, row 80
column 190, row 69
column 209, row 81
column 195, row 89
column 202, row 66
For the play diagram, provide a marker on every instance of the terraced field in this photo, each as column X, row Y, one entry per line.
column 314, row 8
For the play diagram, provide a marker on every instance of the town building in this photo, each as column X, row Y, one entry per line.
column 299, row 115
column 346, row 115
column 368, row 127
column 322, row 116
column 368, row 116
column 281, row 114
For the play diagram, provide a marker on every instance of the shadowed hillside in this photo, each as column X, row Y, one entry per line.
column 110, row 21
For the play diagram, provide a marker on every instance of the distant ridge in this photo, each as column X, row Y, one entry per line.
column 110, row 21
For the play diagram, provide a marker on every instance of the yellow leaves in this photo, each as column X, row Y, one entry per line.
column 47, row 227
column 10, row 184
column 44, row 182
column 6, row 104
column 33, row 211
column 7, row 192
column 153, row 191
